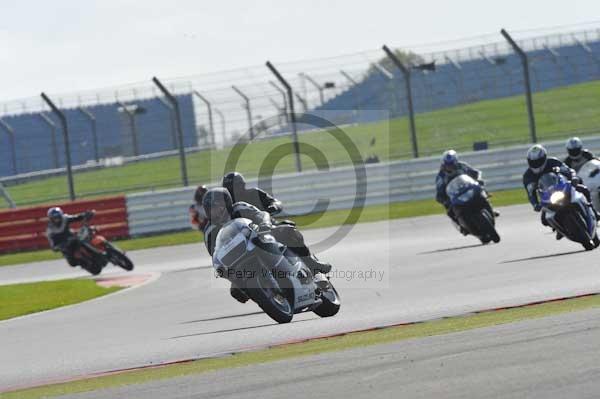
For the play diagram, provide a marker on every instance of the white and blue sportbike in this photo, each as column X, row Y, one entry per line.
column 469, row 202
column 567, row 210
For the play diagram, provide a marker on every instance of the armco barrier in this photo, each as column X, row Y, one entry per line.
column 24, row 228
column 166, row 210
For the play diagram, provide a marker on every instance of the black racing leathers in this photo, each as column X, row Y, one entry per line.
column 257, row 197
column 61, row 238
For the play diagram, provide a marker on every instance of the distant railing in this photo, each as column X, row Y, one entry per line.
column 166, row 210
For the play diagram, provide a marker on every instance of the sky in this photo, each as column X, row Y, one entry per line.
column 63, row 46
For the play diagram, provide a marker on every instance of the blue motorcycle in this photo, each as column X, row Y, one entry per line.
column 469, row 202
column 567, row 211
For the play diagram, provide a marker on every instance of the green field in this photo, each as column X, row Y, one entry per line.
column 500, row 122
column 311, row 347
column 21, row 299
column 332, row 218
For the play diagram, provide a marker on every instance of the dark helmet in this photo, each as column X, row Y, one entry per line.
column 234, row 182
column 199, row 193
column 450, row 161
column 575, row 147
column 217, row 205
column 56, row 216
column 537, row 156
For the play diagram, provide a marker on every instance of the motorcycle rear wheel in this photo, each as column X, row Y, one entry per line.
column 118, row 257
column 331, row 303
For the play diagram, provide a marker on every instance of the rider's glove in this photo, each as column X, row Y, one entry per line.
column 264, row 228
column 273, row 208
column 537, row 207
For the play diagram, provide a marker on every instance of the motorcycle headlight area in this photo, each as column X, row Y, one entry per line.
column 557, row 197
column 466, row 196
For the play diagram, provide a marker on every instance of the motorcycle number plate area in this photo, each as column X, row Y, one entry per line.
column 305, row 294
column 232, row 251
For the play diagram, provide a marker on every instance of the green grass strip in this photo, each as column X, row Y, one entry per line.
column 374, row 213
column 21, row 299
column 312, row 347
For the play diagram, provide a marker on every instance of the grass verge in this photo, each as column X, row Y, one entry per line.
column 332, row 218
column 312, row 347
column 21, row 299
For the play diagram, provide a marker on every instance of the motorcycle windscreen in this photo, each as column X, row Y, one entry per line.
column 231, row 241
column 549, row 184
column 459, row 185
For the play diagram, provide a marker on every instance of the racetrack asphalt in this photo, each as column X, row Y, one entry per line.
column 548, row 358
column 429, row 271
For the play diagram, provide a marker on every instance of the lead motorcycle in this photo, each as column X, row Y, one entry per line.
column 567, row 210
column 469, row 202
column 270, row 273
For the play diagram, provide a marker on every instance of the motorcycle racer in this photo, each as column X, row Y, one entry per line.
column 60, row 236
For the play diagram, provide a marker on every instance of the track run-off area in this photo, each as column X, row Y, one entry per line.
column 387, row 273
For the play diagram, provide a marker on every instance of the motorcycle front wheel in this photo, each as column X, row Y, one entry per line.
column 272, row 298
column 118, row 257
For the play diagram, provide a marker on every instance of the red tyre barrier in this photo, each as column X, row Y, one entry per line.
column 25, row 228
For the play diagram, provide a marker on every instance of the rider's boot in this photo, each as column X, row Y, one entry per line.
column 315, row 265
column 238, row 294
column 559, row 235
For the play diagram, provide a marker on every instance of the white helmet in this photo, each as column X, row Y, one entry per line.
column 537, row 158
column 574, row 147
column 55, row 216
column 450, row 161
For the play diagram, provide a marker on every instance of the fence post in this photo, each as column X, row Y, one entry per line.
column 223, row 129
column 65, row 129
column 527, row 81
column 6, row 195
column 132, row 123
column 210, row 116
column 92, row 120
column 13, row 147
column 411, row 112
column 248, row 111
column 292, row 113
column 175, row 104
column 169, row 108
column 317, row 86
column 283, row 96
column 52, row 127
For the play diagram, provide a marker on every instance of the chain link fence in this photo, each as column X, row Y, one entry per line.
column 466, row 95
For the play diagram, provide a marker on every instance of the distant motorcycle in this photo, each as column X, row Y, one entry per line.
column 94, row 251
column 566, row 210
column 590, row 175
column 469, row 202
column 270, row 273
